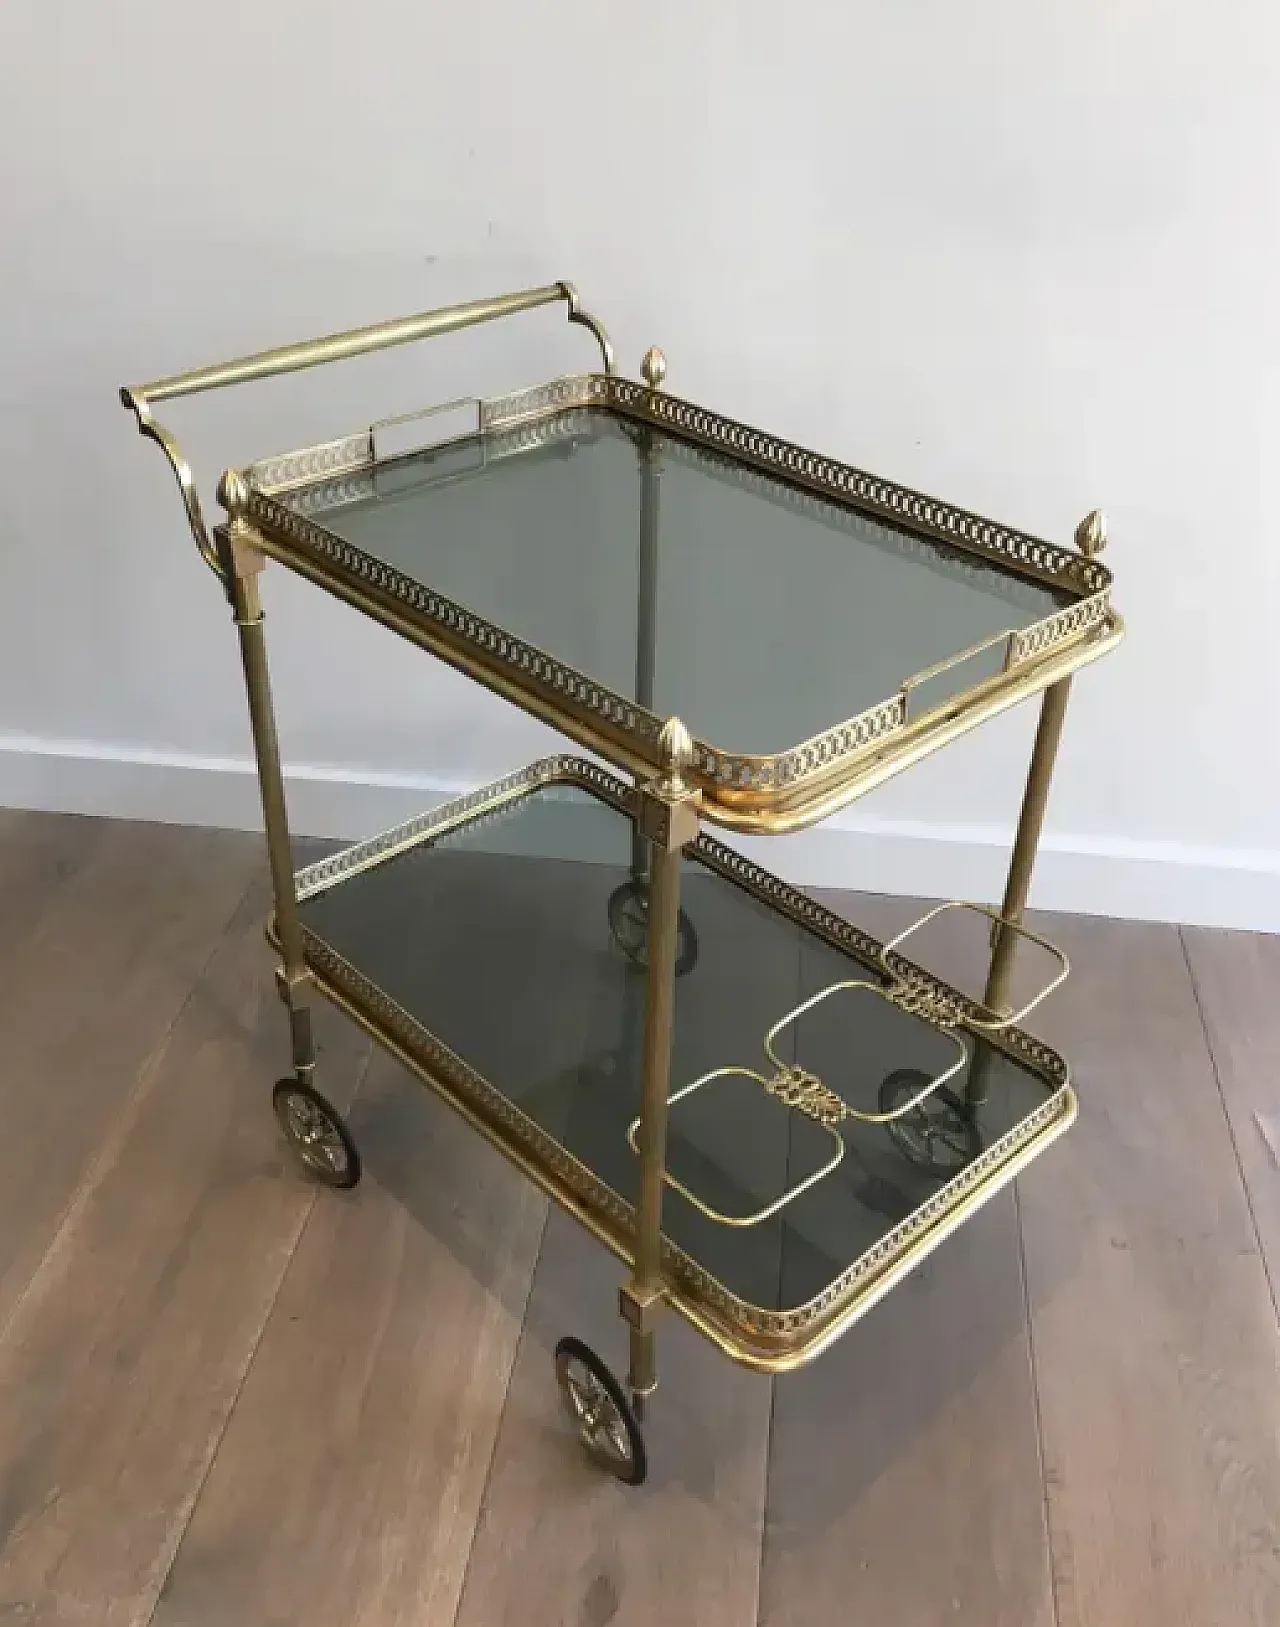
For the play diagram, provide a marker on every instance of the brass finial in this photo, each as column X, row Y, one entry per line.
column 653, row 369
column 1091, row 533
column 675, row 743
column 233, row 494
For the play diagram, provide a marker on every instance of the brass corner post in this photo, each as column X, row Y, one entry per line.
column 653, row 370
column 669, row 819
column 1091, row 538
column 1004, row 943
column 1053, row 711
column 242, row 565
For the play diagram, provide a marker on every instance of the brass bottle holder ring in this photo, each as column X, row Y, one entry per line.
column 980, row 1016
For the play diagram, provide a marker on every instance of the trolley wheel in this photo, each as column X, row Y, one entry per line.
column 941, row 1135
column 600, row 1412
column 313, row 1127
column 629, row 923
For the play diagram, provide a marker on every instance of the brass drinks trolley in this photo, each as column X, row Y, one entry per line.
column 564, row 956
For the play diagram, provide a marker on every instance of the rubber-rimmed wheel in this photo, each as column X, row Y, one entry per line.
column 629, row 923
column 941, row 1135
column 600, row 1412
column 313, row 1127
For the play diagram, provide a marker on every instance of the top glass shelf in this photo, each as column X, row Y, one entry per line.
column 609, row 556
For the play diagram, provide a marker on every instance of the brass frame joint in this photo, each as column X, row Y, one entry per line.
column 640, row 1307
column 294, row 988
column 669, row 825
column 244, row 558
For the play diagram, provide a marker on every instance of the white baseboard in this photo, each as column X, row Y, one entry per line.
column 1152, row 881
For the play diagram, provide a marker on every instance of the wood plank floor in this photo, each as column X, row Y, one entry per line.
column 225, row 1397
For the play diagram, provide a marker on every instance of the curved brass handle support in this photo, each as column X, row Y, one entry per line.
column 138, row 404
column 592, row 324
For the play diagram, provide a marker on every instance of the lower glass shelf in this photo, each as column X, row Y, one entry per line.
column 496, row 944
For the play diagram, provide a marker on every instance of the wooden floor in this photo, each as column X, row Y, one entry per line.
column 227, row 1400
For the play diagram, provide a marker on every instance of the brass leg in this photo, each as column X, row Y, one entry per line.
column 639, row 859
column 668, row 816
column 247, row 608
column 647, row 603
column 1053, row 710
column 663, row 912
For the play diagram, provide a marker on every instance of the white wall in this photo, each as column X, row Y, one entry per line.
column 1022, row 256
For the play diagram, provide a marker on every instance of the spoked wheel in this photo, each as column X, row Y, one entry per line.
column 600, row 1412
column 629, row 923
column 941, row 1135
column 314, row 1129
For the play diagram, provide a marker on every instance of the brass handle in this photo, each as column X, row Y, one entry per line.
column 939, row 667
column 336, row 347
column 403, row 418
column 333, row 347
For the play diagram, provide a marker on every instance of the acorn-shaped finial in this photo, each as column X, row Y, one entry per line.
column 675, row 745
column 233, row 494
column 1091, row 533
column 653, row 369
